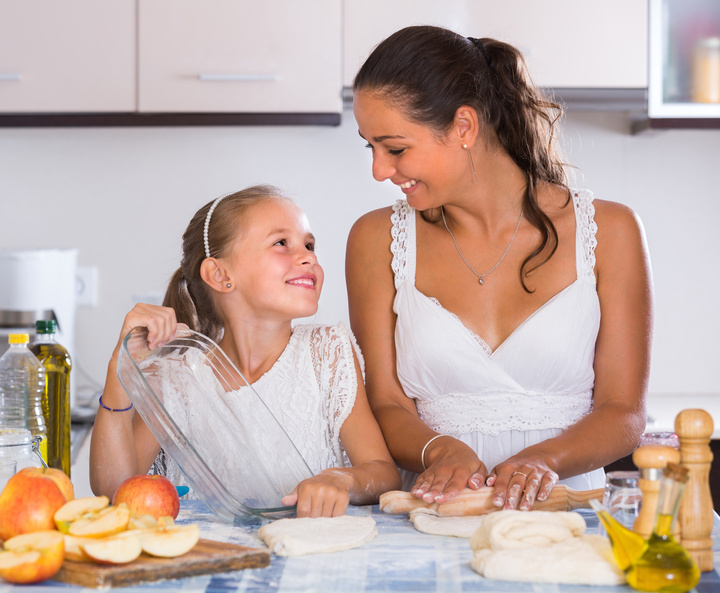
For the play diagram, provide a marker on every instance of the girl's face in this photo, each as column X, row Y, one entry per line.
column 426, row 168
column 272, row 263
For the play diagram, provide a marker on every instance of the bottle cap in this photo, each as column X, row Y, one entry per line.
column 46, row 326
column 18, row 339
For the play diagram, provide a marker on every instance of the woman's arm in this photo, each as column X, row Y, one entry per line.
column 121, row 445
column 622, row 363
column 371, row 291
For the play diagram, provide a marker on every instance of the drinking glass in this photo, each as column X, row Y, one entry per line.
column 622, row 496
column 8, row 467
column 669, row 439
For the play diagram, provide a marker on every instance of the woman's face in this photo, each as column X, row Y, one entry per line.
column 425, row 167
column 273, row 264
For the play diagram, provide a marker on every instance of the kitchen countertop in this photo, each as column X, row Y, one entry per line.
column 398, row 559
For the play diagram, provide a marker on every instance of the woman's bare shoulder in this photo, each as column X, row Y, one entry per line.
column 619, row 230
column 372, row 228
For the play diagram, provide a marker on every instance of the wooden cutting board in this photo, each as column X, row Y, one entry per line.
column 207, row 557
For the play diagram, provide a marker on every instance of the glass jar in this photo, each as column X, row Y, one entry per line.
column 19, row 445
column 706, row 71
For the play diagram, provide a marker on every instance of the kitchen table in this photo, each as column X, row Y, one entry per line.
column 398, row 559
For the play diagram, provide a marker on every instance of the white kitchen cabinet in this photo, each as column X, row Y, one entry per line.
column 69, row 56
column 567, row 43
column 224, row 56
column 684, row 62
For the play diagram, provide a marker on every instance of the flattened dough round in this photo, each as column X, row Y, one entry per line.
column 430, row 522
column 298, row 537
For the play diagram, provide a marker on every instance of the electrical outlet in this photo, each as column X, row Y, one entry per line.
column 87, row 286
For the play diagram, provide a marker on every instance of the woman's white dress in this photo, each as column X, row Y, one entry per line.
column 310, row 390
column 533, row 386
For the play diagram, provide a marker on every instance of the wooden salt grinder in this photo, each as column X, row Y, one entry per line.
column 651, row 460
column 694, row 428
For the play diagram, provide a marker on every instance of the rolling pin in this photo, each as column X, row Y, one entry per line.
column 479, row 502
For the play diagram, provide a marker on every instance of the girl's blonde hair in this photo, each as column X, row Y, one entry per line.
column 187, row 292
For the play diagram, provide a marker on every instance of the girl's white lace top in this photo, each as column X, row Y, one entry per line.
column 310, row 390
column 540, row 378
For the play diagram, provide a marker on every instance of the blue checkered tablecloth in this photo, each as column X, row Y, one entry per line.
column 398, row 559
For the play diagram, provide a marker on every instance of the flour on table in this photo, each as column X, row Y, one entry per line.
column 428, row 521
column 298, row 537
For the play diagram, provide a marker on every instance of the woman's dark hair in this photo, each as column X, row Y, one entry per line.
column 187, row 292
column 429, row 72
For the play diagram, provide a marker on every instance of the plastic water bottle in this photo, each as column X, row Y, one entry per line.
column 22, row 386
column 56, row 399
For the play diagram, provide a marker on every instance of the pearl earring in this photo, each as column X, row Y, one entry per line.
column 229, row 285
column 465, row 146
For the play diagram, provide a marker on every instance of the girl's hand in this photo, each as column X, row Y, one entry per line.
column 160, row 322
column 519, row 483
column 325, row 495
column 451, row 467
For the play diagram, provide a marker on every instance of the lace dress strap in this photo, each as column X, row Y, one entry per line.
column 403, row 243
column 585, row 231
column 333, row 352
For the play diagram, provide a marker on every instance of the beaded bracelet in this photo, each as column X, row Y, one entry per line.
column 102, row 405
column 422, row 455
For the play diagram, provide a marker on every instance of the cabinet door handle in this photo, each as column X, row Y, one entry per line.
column 237, row 77
column 9, row 77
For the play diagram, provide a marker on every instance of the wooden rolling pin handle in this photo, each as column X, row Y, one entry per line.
column 580, row 499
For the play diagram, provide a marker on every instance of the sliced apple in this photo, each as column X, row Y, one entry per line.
column 118, row 549
column 75, row 509
column 74, row 548
column 32, row 557
column 142, row 522
column 170, row 542
column 104, row 523
column 165, row 521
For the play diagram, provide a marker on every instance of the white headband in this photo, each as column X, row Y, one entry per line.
column 207, row 223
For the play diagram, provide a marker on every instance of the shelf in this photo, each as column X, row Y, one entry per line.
column 61, row 120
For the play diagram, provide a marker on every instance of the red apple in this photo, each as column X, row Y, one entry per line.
column 30, row 499
column 148, row 495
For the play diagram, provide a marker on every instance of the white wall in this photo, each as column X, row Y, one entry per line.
column 123, row 197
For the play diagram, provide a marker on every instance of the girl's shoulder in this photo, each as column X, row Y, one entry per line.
column 329, row 342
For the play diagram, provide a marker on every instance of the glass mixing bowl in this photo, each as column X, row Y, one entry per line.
column 212, row 423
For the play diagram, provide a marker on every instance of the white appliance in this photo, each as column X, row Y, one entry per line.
column 39, row 284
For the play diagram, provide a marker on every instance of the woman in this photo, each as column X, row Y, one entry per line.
column 505, row 319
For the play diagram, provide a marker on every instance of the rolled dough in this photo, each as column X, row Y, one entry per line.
column 430, row 522
column 298, row 537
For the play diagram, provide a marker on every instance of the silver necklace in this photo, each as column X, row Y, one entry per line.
column 480, row 276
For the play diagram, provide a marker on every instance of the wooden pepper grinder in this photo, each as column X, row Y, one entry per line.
column 694, row 428
column 651, row 460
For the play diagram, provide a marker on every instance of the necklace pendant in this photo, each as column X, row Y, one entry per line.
column 480, row 280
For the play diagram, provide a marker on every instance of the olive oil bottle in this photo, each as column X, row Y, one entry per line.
column 664, row 564
column 56, row 399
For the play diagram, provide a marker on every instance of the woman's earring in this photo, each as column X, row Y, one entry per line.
column 228, row 285
column 472, row 164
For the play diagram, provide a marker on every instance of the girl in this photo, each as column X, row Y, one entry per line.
column 506, row 319
column 248, row 269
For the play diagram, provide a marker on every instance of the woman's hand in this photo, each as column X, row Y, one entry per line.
column 160, row 322
column 325, row 495
column 451, row 467
column 519, row 483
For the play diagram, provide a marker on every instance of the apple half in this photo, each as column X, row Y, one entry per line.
column 75, row 509
column 171, row 541
column 32, row 557
column 103, row 523
column 117, row 549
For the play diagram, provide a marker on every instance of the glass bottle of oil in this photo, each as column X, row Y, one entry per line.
column 664, row 564
column 627, row 546
column 56, row 399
